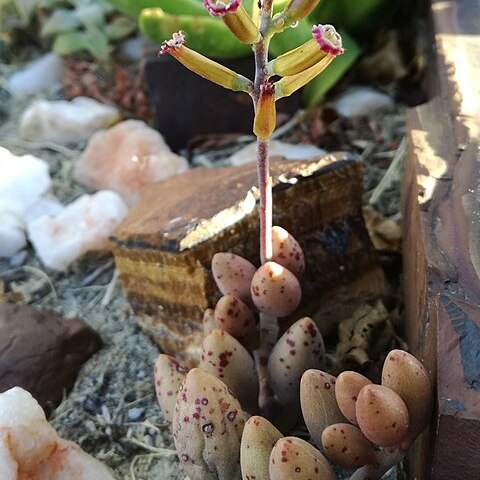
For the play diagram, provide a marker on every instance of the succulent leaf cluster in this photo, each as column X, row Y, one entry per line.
column 77, row 25
column 353, row 422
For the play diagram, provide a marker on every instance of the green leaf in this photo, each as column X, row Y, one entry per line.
column 314, row 92
column 68, row 43
column 91, row 15
column 93, row 41
column 120, row 27
column 60, row 21
column 97, row 43
column 25, row 9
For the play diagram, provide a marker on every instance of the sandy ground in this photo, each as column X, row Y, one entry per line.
column 112, row 412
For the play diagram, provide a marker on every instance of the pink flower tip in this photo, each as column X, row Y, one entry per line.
column 220, row 8
column 177, row 40
column 328, row 39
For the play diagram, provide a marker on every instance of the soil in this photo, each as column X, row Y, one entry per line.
column 112, row 412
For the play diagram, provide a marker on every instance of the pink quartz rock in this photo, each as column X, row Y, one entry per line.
column 125, row 158
column 83, row 226
column 30, row 447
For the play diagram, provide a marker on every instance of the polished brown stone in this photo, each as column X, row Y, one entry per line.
column 164, row 247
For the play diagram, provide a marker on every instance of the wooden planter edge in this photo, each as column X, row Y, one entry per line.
column 442, row 246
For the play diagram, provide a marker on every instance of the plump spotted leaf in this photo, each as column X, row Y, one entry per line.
column 287, row 251
column 299, row 349
column 235, row 318
column 407, row 377
column 347, row 446
column 295, row 459
column 207, row 428
column 169, row 375
column 382, row 415
column 275, row 290
column 347, row 388
column 227, row 359
column 319, row 406
column 233, row 275
column 258, row 439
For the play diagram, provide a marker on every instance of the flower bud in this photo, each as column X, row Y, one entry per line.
column 266, row 114
column 290, row 84
column 298, row 9
column 235, row 18
column 203, row 66
column 325, row 41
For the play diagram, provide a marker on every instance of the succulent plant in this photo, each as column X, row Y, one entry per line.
column 78, row 25
column 244, row 363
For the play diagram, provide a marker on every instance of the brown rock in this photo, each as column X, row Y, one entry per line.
column 42, row 352
column 164, row 247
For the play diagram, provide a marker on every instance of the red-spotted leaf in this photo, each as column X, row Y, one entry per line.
column 207, row 428
column 299, row 349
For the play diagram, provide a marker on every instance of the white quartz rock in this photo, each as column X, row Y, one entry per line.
column 46, row 205
column 126, row 158
column 64, row 121
column 289, row 151
column 361, row 101
column 23, row 180
column 30, row 447
column 83, row 226
column 12, row 235
column 39, row 75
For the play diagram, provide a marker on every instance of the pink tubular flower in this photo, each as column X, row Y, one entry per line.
column 220, row 8
column 328, row 39
column 177, row 40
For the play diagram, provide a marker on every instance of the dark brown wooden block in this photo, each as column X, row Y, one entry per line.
column 442, row 246
column 164, row 247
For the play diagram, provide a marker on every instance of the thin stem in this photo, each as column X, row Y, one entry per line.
column 268, row 337
column 264, row 181
column 265, row 187
column 268, row 325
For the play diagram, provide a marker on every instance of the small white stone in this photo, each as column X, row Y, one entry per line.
column 45, row 205
column 12, row 234
column 126, row 158
column 23, row 180
column 64, row 121
column 362, row 101
column 30, row 447
column 83, row 226
column 39, row 75
column 290, row 151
